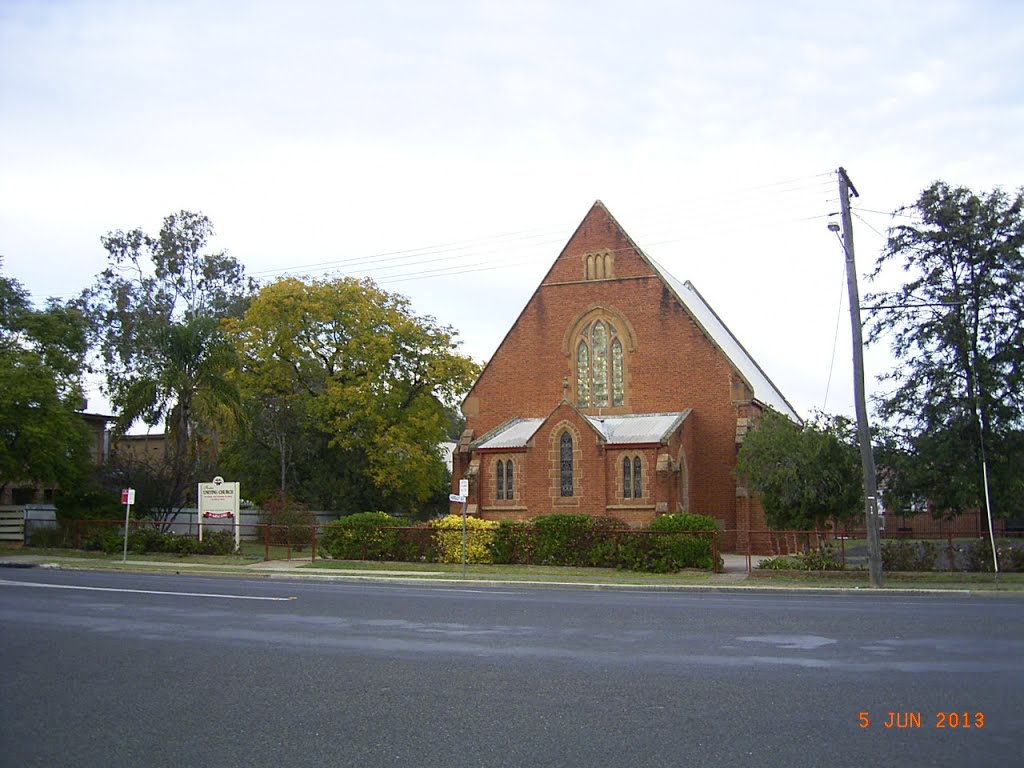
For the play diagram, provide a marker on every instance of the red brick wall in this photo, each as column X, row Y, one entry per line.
column 670, row 365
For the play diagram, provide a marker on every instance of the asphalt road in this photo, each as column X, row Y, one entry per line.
column 111, row 669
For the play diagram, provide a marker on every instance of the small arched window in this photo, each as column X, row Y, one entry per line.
column 632, row 478
column 565, row 464
column 509, row 480
column 499, row 491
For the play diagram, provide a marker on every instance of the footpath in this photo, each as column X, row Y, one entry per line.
column 735, row 576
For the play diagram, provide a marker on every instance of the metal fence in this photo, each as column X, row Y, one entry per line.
column 950, row 551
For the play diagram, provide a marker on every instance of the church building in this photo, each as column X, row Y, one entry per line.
column 618, row 392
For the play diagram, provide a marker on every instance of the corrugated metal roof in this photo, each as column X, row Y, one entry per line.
column 637, row 428
column 617, row 430
column 764, row 389
column 513, row 434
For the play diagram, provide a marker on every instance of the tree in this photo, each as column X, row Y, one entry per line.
column 157, row 311
column 42, row 437
column 802, row 474
column 956, row 328
column 369, row 382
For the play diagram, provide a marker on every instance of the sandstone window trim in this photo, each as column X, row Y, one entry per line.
column 599, row 265
column 601, row 364
column 632, row 477
column 504, row 480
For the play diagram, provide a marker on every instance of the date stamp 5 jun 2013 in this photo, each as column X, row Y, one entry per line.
column 938, row 720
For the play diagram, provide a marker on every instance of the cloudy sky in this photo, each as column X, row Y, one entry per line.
column 449, row 149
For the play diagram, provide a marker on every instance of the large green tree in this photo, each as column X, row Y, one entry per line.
column 157, row 312
column 803, row 474
column 42, row 352
column 956, row 328
column 348, row 371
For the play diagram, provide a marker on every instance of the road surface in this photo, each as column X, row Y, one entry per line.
column 114, row 669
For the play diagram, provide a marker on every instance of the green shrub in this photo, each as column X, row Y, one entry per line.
column 362, row 536
column 780, row 563
column 978, row 556
column 219, row 543
column 670, row 543
column 512, row 543
column 821, row 559
column 909, row 555
column 562, row 539
column 447, row 538
column 605, row 549
column 1011, row 556
column 143, row 540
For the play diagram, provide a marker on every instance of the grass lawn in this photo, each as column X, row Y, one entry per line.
column 253, row 555
column 519, row 572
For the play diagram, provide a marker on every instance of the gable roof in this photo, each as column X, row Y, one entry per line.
column 702, row 313
column 708, row 320
column 631, row 429
column 764, row 390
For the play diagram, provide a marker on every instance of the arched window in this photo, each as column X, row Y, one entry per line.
column 583, row 374
column 632, row 479
column 600, row 367
column 599, row 266
column 499, row 491
column 565, row 463
column 508, row 480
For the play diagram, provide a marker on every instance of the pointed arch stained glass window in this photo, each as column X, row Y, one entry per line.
column 583, row 375
column 618, row 388
column 600, row 367
column 600, row 379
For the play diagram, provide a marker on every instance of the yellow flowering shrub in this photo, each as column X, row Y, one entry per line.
column 480, row 535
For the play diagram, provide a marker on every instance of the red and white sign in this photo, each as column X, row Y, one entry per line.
column 127, row 495
column 219, row 499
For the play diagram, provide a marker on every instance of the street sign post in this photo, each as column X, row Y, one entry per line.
column 127, row 498
column 463, row 493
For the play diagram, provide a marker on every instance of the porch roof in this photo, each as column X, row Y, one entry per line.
column 629, row 429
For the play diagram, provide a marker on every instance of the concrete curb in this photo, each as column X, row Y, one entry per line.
column 262, row 571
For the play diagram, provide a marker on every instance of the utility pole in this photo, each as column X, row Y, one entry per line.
column 863, row 430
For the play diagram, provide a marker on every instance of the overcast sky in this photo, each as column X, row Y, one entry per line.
column 449, row 149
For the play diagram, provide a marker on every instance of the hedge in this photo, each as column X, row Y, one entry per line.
column 480, row 538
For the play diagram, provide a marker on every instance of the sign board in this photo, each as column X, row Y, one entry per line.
column 127, row 495
column 464, row 487
column 219, row 500
column 456, row 497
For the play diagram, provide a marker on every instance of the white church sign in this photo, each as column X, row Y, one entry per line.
column 219, row 500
